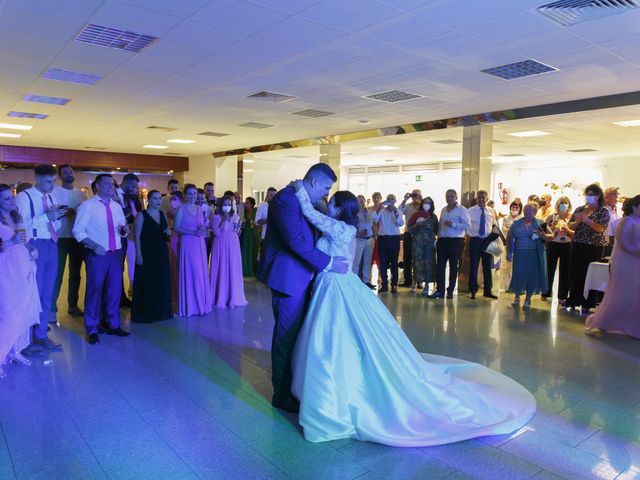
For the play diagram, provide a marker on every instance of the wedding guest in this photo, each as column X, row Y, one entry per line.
column 423, row 226
column 100, row 226
column 210, row 201
column 20, row 305
column 68, row 247
column 589, row 223
column 263, row 213
column 21, row 187
column 376, row 198
column 152, row 281
column 407, row 255
column 454, row 222
column 174, row 247
column 238, row 204
column 526, row 251
column 611, row 204
column 364, row 244
column 559, row 248
column 249, row 238
column 226, row 261
column 390, row 220
column 41, row 220
column 620, row 307
column 546, row 209
column 131, row 207
column 482, row 222
column 194, row 287
column 173, row 186
column 515, row 213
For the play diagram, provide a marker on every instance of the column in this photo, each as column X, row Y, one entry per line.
column 244, row 167
column 330, row 154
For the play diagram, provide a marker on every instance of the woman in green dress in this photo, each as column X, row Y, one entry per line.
column 250, row 238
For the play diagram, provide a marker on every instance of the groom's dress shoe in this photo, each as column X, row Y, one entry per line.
column 288, row 405
column 383, row 290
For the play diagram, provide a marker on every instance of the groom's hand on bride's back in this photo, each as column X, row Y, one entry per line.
column 339, row 265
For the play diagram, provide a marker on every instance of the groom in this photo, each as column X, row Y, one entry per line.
column 289, row 264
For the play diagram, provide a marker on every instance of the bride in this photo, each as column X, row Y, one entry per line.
column 357, row 375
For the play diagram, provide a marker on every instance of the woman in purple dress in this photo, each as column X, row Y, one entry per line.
column 194, row 289
column 226, row 260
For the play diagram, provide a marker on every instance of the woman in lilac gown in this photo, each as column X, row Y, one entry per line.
column 194, row 289
column 19, row 298
column 226, row 260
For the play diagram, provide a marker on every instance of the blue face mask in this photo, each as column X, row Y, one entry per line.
column 563, row 207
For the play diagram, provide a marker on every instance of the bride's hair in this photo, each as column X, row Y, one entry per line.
column 15, row 216
column 348, row 203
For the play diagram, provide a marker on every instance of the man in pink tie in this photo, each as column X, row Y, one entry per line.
column 100, row 225
column 41, row 219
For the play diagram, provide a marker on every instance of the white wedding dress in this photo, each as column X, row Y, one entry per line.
column 357, row 375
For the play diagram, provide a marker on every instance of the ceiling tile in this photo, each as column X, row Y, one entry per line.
column 204, row 35
column 183, row 8
column 350, row 16
column 404, row 30
column 240, row 16
column 263, row 51
column 169, row 51
column 288, row 6
column 507, row 28
column 64, row 8
column 46, row 25
column 456, row 14
column 611, row 28
column 301, row 32
column 82, row 57
column 546, row 43
column 446, row 46
column 129, row 17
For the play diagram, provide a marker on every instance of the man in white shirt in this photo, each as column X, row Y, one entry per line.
column 100, row 226
column 210, row 202
column 390, row 220
column 41, row 218
column 407, row 210
column 263, row 212
column 454, row 223
column 611, row 204
column 67, row 195
column 482, row 222
column 364, row 244
column 172, row 186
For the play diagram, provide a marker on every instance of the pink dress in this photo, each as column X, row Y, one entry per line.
column 226, row 265
column 194, row 289
column 19, row 298
column 619, row 311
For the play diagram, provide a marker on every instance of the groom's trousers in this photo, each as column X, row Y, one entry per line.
column 289, row 312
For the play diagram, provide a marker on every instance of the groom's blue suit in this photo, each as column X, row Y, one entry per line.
column 289, row 262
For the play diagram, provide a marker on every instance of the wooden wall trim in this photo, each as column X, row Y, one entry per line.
column 12, row 154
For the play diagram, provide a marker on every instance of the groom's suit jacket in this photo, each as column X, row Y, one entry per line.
column 289, row 259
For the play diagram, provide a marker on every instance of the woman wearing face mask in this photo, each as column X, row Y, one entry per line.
column 423, row 226
column 226, row 260
column 194, row 288
column 589, row 223
column 515, row 213
column 559, row 248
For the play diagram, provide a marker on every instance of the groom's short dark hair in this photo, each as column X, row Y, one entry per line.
column 321, row 168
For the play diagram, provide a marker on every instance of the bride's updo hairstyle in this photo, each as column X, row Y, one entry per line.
column 348, row 203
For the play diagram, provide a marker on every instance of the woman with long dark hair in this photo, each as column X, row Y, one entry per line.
column 423, row 226
column 249, row 238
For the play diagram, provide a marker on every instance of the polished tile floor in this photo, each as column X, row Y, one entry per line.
column 188, row 399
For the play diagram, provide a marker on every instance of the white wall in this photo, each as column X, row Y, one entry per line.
column 201, row 170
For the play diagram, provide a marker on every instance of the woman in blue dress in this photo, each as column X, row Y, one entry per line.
column 357, row 375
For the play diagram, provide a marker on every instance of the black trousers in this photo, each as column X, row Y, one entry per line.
column 448, row 250
column 68, row 247
column 407, row 258
column 477, row 253
column 557, row 251
column 389, row 250
column 582, row 255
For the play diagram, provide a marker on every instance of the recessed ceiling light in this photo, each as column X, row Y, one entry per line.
column 364, row 121
column 179, row 140
column 45, row 99
column 13, row 126
column 384, row 147
column 156, row 146
column 628, row 123
column 529, row 133
column 38, row 116
column 248, row 170
column 70, row 76
column 247, row 160
column 10, row 135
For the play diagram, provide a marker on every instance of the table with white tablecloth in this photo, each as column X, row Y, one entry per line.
column 597, row 278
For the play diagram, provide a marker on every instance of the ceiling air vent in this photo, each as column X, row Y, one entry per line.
column 255, row 125
column 512, row 155
column 213, row 134
column 70, row 76
column 446, row 141
column 45, row 99
column 38, row 116
column 392, row 96
column 271, row 97
column 164, row 129
column 526, row 68
column 171, row 153
column 572, row 12
column 114, row 38
column 95, row 148
column 582, row 150
column 312, row 113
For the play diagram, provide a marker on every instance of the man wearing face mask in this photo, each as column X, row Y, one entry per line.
column 67, row 194
column 390, row 220
column 407, row 210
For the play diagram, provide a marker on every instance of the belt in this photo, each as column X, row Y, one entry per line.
column 365, row 238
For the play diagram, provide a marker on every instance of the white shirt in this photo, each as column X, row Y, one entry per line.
column 91, row 222
column 72, row 198
column 36, row 225
column 261, row 214
column 365, row 222
column 460, row 222
column 390, row 222
column 489, row 220
column 611, row 231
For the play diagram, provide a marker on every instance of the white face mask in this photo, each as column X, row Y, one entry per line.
column 226, row 208
column 426, row 207
column 515, row 212
column 592, row 199
column 563, row 207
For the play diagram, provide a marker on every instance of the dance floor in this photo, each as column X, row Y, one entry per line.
column 189, row 399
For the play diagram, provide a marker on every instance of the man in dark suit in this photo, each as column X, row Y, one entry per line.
column 288, row 266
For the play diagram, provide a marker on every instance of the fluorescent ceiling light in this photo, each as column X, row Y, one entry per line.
column 179, row 140
column 384, row 147
column 13, row 126
column 248, row 170
column 628, row 123
column 248, row 160
column 10, row 135
column 529, row 133
column 160, row 147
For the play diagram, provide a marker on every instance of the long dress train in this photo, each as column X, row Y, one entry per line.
column 357, row 375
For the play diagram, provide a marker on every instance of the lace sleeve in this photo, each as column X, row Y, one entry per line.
column 331, row 227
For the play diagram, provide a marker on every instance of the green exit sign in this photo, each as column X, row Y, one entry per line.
column 418, row 178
